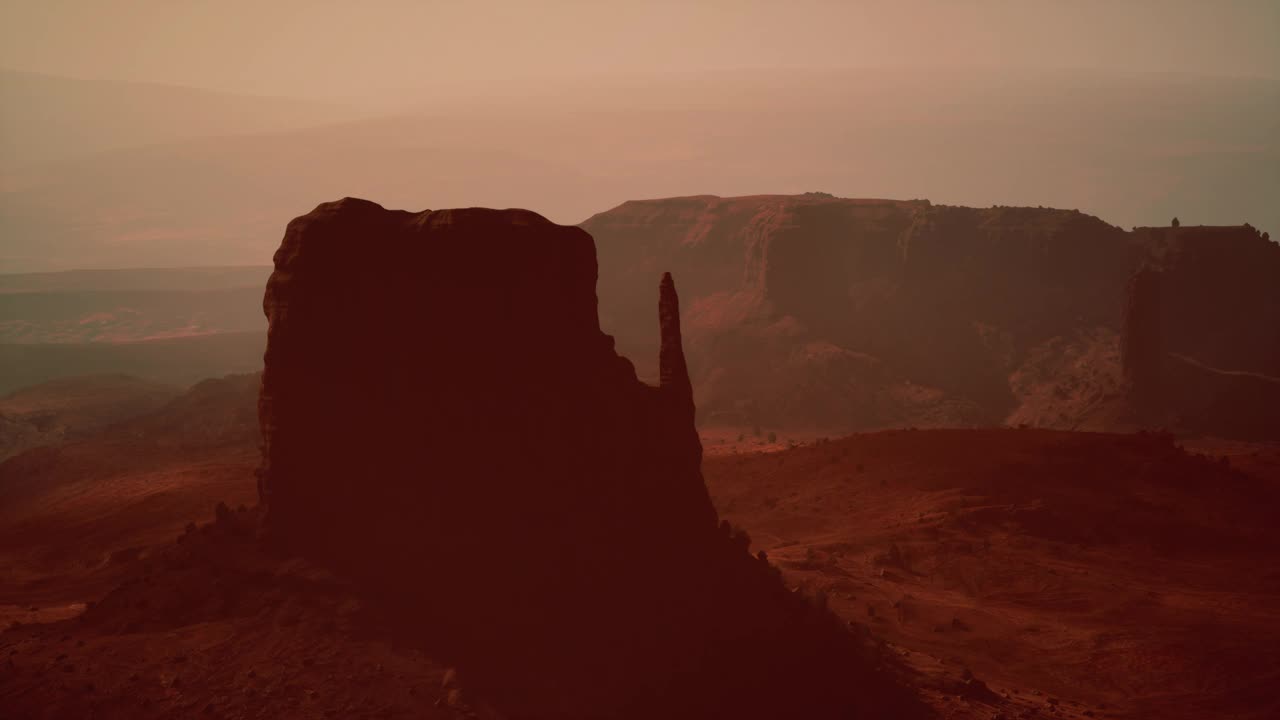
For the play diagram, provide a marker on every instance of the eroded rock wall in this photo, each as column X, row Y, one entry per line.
column 812, row 311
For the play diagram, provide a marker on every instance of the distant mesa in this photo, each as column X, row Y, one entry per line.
column 854, row 314
column 445, row 421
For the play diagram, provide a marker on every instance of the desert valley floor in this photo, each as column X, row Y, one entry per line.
column 1143, row 564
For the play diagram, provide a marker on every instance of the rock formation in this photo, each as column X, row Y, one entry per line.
column 813, row 310
column 1220, row 299
column 1142, row 339
column 817, row 311
column 445, row 423
column 1200, row 345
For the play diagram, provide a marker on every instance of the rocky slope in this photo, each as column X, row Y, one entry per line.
column 71, row 408
column 819, row 311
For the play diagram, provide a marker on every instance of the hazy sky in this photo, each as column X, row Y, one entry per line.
column 571, row 107
column 343, row 49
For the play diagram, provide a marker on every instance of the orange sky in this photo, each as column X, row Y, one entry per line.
column 369, row 50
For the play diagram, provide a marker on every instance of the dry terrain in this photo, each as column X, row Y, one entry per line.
column 1119, row 575
column 1071, row 574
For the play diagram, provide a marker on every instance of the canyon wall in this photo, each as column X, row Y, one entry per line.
column 1201, row 335
column 1142, row 348
column 824, row 312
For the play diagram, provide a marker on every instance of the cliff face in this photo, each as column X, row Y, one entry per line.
column 445, row 422
column 394, row 337
column 1200, row 342
column 819, row 311
column 1142, row 347
column 1221, row 295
